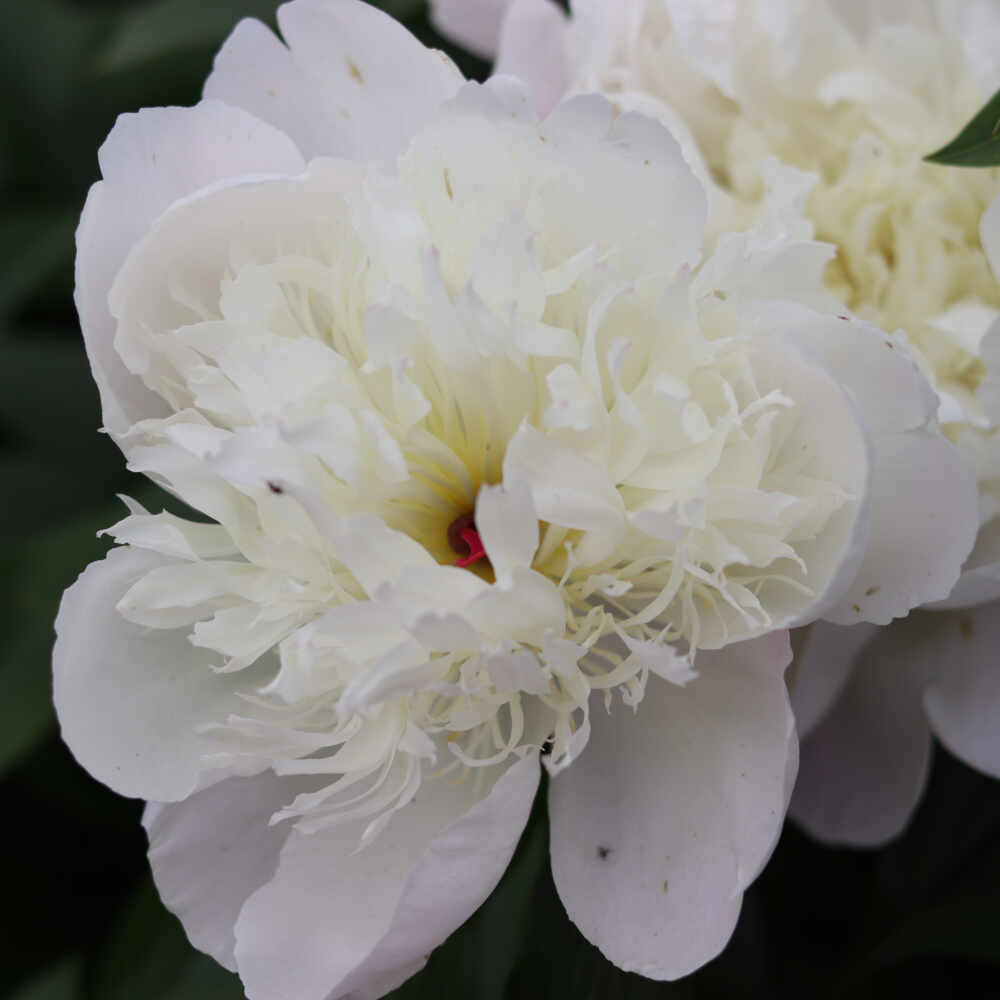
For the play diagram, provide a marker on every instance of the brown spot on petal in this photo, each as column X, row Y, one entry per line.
column 872, row 590
column 666, row 885
column 720, row 295
column 603, row 852
column 447, row 184
column 857, row 608
column 275, row 488
column 354, row 70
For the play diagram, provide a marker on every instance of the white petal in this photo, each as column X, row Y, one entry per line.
column 923, row 495
column 131, row 700
column 189, row 247
column 473, row 24
column 963, row 699
column 356, row 83
column 670, row 813
column 864, row 767
column 977, row 25
column 623, row 185
column 980, row 579
column 149, row 161
column 211, row 851
column 508, row 526
column 824, row 659
column 532, row 47
column 924, row 520
column 566, row 488
column 332, row 922
column 989, row 232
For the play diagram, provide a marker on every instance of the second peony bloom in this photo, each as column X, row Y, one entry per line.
column 500, row 466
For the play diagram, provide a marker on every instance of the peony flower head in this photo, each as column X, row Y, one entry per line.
column 497, row 460
column 855, row 97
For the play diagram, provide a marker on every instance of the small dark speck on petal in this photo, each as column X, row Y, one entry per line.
column 857, row 608
column 872, row 590
column 274, row 488
column 356, row 74
column 666, row 885
column 603, row 852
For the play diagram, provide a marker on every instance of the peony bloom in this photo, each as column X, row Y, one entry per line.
column 498, row 466
column 870, row 698
column 855, row 97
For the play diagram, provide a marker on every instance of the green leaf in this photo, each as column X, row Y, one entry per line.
column 978, row 144
column 147, row 955
column 152, row 30
column 60, row 982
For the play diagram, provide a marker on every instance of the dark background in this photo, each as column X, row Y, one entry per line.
column 79, row 918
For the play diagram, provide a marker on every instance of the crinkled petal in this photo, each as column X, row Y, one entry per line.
column 671, row 812
column 353, row 82
column 212, row 850
column 864, row 767
column 963, row 698
column 473, row 24
column 333, row 923
column 149, row 161
column 132, row 701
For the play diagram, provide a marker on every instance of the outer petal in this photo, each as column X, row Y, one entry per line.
column 131, row 700
column 824, row 659
column 533, row 42
column 149, row 161
column 334, row 923
column 211, row 851
column 355, row 83
column 672, row 812
column 923, row 493
column 980, row 579
column 474, row 24
column 865, row 765
column 963, row 699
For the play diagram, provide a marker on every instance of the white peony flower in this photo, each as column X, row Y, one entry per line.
column 856, row 96
column 869, row 698
column 483, row 443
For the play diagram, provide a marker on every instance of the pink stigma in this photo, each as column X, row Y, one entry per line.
column 462, row 536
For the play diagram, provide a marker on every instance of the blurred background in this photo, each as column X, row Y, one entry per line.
column 79, row 917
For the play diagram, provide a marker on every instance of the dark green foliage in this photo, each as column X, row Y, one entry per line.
column 978, row 144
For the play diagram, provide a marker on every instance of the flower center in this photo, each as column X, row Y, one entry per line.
column 465, row 540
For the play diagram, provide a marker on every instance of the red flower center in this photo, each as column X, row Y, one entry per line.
column 465, row 540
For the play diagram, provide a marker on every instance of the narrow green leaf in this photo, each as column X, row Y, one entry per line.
column 978, row 144
column 59, row 982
